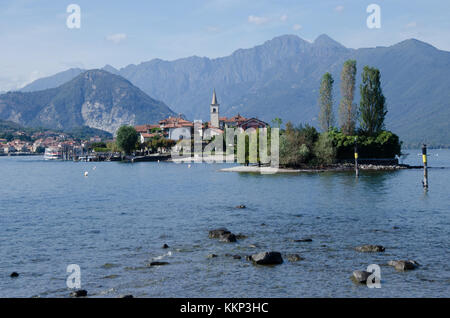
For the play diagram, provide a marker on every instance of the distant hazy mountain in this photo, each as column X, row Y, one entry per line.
column 96, row 98
column 52, row 81
column 281, row 77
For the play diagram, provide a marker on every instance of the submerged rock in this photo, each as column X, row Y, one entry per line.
column 241, row 236
column 229, row 238
column 14, row 275
column 158, row 263
column 403, row 265
column 79, row 293
column 294, row 257
column 233, row 256
column 267, row 258
column 303, row 240
column 370, row 248
column 217, row 233
column 361, row 276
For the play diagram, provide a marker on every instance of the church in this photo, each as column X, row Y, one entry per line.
column 233, row 122
column 176, row 127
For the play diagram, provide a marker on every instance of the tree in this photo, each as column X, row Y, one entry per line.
column 372, row 107
column 127, row 138
column 326, row 116
column 277, row 122
column 347, row 109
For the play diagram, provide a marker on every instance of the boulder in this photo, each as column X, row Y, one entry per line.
column 217, row 233
column 403, row 265
column 14, row 275
column 267, row 258
column 79, row 293
column 228, row 238
column 370, row 248
column 294, row 257
column 361, row 276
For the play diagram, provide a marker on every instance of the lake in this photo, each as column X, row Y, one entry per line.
column 115, row 221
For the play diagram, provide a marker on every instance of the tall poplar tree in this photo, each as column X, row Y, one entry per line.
column 372, row 107
column 326, row 116
column 347, row 109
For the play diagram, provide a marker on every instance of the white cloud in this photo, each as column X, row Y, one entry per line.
column 284, row 17
column 411, row 24
column 339, row 8
column 258, row 20
column 117, row 38
column 296, row 27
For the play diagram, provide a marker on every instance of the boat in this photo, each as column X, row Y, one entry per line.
column 53, row 154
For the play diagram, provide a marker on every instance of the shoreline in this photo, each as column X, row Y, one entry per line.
column 339, row 168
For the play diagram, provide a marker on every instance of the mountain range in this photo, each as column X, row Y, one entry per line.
column 281, row 78
column 94, row 98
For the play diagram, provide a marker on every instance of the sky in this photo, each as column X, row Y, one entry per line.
column 35, row 40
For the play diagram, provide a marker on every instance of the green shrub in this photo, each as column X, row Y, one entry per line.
column 384, row 145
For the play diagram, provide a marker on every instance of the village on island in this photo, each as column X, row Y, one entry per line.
column 153, row 139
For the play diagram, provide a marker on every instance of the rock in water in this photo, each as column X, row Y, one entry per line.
column 217, row 233
column 229, row 238
column 127, row 296
column 370, row 248
column 212, row 256
column 294, row 257
column 267, row 258
column 404, row 265
column 158, row 263
column 79, row 293
column 165, row 246
column 223, row 235
column 361, row 276
column 303, row 240
column 241, row 206
column 14, row 275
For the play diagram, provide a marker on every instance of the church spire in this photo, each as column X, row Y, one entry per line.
column 214, row 98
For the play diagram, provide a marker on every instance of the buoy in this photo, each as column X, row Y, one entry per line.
column 189, row 166
column 86, row 173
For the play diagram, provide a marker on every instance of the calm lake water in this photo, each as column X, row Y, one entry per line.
column 113, row 222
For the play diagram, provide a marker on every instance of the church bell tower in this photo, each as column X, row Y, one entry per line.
column 214, row 110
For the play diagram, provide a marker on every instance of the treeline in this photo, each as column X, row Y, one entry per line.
column 363, row 123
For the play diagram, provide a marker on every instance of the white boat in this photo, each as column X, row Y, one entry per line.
column 53, row 154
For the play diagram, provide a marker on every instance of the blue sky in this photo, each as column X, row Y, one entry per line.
column 36, row 42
